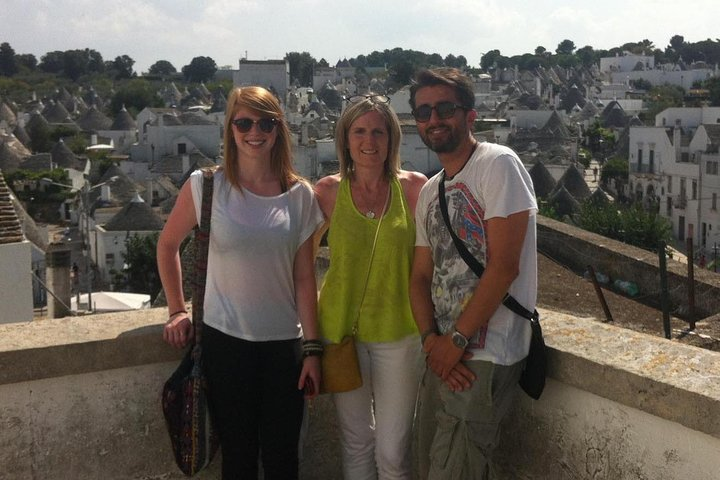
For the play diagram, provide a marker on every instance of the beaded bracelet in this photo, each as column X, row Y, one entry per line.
column 312, row 348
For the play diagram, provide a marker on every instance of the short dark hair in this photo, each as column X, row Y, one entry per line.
column 450, row 77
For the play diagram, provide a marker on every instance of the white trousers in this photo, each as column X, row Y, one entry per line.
column 376, row 419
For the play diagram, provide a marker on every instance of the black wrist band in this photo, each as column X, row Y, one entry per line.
column 312, row 348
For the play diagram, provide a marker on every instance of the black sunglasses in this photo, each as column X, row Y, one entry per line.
column 245, row 124
column 372, row 97
column 444, row 110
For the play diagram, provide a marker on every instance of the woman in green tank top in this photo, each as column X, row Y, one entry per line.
column 375, row 419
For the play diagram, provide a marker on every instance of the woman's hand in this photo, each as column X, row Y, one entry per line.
column 178, row 330
column 310, row 377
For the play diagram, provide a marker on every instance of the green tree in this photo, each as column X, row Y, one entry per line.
column 27, row 60
column 566, row 47
column 493, row 60
column 8, row 62
column 162, row 67
column 135, row 95
column 614, row 168
column 713, row 86
column 52, row 62
column 663, row 96
column 200, row 69
column 40, row 140
column 301, row 67
column 122, row 66
column 633, row 225
column 141, row 272
column 641, row 84
column 75, row 64
column 587, row 56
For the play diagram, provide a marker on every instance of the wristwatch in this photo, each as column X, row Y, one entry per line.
column 459, row 340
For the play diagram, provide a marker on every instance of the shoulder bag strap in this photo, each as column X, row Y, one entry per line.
column 372, row 254
column 202, row 244
column 509, row 301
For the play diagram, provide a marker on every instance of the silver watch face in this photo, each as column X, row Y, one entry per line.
column 459, row 340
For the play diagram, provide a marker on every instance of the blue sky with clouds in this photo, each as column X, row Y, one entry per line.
column 226, row 30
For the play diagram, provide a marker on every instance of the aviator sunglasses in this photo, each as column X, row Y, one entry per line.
column 372, row 97
column 245, row 124
column 444, row 111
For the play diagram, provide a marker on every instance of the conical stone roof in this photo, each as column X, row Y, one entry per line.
column 94, row 120
column 563, row 203
column 10, row 159
column 123, row 121
column 57, row 113
column 63, row 157
column 135, row 216
column 574, row 182
column 543, row 181
column 10, row 229
column 7, row 115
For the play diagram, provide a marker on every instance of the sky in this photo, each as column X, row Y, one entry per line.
column 227, row 30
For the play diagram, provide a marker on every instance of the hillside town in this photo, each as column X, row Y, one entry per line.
column 566, row 124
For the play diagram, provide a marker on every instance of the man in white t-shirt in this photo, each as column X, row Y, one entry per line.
column 475, row 346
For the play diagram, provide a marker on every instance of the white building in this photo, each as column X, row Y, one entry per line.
column 627, row 63
column 272, row 74
column 682, row 78
column 16, row 290
column 675, row 164
column 167, row 131
column 107, row 242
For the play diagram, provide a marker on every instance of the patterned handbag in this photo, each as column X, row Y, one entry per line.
column 184, row 401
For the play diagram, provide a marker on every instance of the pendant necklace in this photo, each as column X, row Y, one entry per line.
column 369, row 211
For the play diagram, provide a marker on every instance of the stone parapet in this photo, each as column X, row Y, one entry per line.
column 79, row 398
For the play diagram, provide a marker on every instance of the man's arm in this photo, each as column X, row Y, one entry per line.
column 459, row 377
column 505, row 238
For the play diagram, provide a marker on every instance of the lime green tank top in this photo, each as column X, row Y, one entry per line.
column 385, row 314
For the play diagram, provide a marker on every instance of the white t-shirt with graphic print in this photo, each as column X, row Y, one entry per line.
column 493, row 183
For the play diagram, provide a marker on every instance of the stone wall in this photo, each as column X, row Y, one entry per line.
column 79, row 398
column 576, row 249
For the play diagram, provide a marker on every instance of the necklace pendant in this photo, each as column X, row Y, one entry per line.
column 370, row 214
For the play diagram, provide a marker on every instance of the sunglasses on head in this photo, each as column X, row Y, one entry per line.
column 372, row 97
column 444, row 110
column 244, row 125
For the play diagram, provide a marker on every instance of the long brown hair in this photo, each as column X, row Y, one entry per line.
column 352, row 113
column 263, row 103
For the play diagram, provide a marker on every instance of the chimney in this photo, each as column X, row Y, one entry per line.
column 149, row 193
column 57, row 260
column 185, row 163
column 105, row 193
column 677, row 139
column 93, row 139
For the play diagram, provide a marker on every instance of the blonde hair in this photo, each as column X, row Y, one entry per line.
column 352, row 113
column 263, row 103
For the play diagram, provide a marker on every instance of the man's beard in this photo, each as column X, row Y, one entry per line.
column 447, row 145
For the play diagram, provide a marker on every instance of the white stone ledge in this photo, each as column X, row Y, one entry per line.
column 667, row 379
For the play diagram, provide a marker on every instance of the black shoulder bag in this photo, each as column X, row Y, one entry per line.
column 532, row 379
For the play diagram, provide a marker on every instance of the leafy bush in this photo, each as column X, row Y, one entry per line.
column 632, row 225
